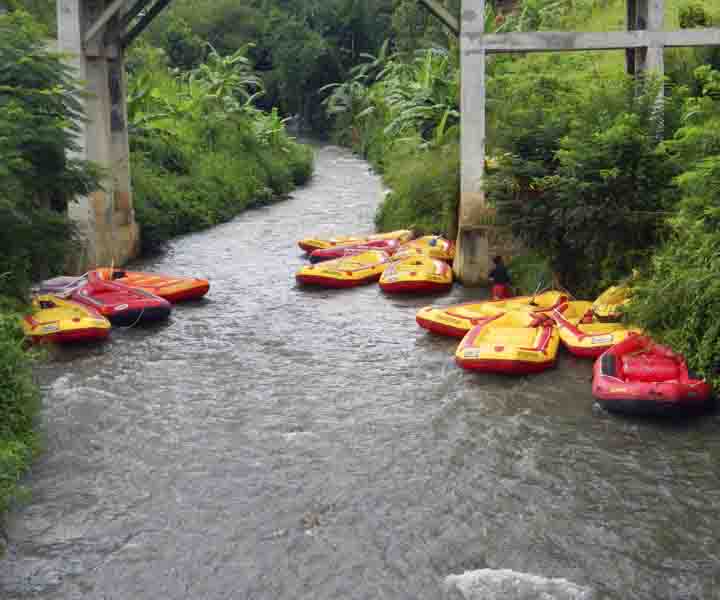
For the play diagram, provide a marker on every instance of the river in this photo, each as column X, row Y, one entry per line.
column 278, row 443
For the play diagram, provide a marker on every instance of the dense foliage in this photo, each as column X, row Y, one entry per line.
column 678, row 300
column 201, row 150
column 403, row 115
column 19, row 403
column 581, row 177
column 38, row 109
column 297, row 46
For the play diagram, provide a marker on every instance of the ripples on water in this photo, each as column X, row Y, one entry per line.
column 272, row 442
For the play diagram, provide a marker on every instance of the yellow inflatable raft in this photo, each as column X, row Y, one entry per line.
column 434, row 246
column 310, row 244
column 583, row 334
column 457, row 320
column 57, row 320
column 516, row 343
column 607, row 306
column 348, row 271
column 417, row 274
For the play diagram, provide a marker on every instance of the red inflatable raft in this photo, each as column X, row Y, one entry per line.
column 640, row 377
column 119, row 303
column 389, row 246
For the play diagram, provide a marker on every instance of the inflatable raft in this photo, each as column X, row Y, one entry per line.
column 345, row 272
column 119, row 303
column 583, row 334
column 63, row 321
column 640, row 377
column 387, row 246
column 514, row 343
column 310, row 244
column 419, row 274
column 608, row 305
column 173, row 289
column 457, row 320
column 434, row 246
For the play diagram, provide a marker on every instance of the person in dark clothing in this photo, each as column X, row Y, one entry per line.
column 500, row 280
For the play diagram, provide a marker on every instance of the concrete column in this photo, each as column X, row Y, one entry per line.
column 648, row 15
column 471, row 260
column 106, row 217
column 69, row 18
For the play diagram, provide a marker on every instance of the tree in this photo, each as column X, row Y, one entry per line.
column 39, row 111
column 582, row 176
column 678, row 299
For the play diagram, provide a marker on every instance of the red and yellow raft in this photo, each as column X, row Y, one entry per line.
column 640, row 377
column 172, row 289
column 608, row 305
column 63, row 321
column 310, row 244
column 388, row 246
column 434, row 246
column 419, row 274
column 583, row 334
column 345, row 272
column 457, row 320
column 515, row 343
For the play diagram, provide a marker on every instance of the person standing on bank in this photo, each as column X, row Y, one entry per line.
column 500, row 280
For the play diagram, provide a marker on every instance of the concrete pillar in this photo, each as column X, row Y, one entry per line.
column 69, row 18
column 105, row 218
column 646, row 15
column 471, row 260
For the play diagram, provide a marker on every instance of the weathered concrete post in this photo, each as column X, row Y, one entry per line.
column 649, row 15
column 471, row 260
column 106, row 218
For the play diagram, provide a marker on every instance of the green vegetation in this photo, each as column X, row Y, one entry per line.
column 591, row 171
column 37, row 180
column 678, row 298
column 19, row 404
column 403, row 115
column 297, row 46
column 201, row 151
column 582, row 177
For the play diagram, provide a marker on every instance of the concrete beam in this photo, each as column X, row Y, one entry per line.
column 112, row 10
column 443, row 14
column 561, row 41
column 144, row 21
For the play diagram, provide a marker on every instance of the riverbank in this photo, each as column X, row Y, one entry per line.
column 201, row 152
column 19, row 406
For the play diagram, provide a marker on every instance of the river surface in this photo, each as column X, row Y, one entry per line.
column 278, row 443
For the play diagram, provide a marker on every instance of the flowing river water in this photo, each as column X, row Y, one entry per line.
column 277, row 443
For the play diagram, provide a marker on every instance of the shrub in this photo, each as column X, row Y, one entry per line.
column 19, row 404
column 678, row 299
column 583, row 179
column 425, row 190
column 38, row 107
column 201, row 152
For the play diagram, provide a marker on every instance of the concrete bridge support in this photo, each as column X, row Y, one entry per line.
column 106, row 218
column 644, row 41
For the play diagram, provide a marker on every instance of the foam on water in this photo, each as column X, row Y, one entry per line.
column 506, row 584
